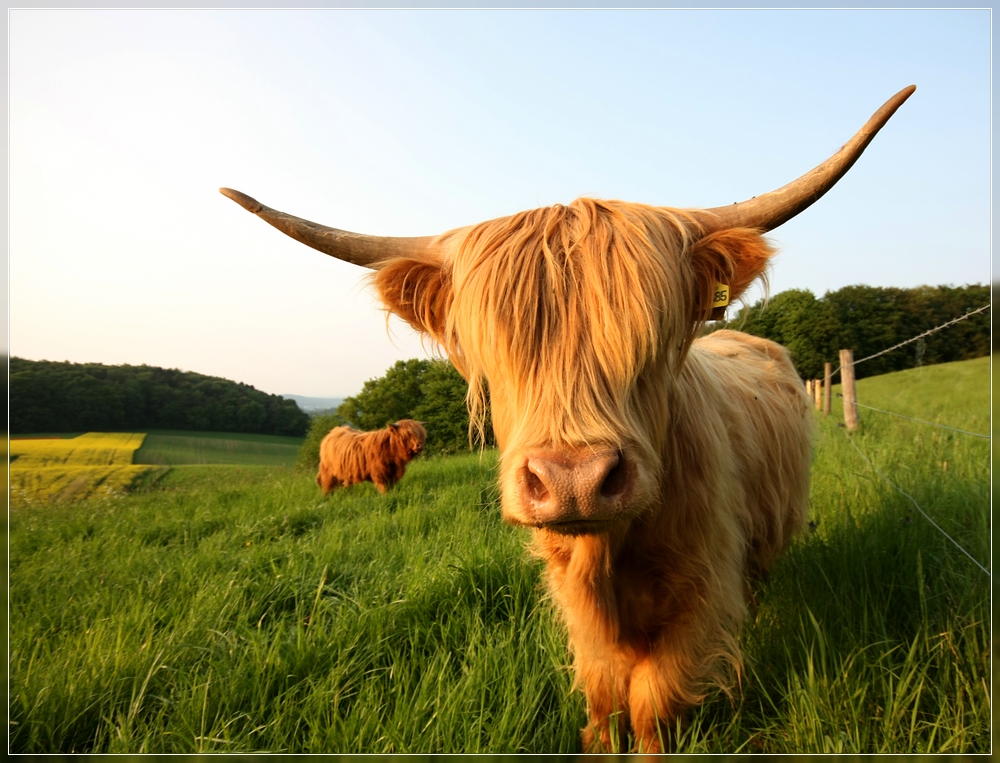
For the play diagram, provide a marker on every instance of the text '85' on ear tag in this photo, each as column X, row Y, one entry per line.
column 720, row 299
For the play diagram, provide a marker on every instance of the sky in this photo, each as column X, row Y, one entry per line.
column 124, row 123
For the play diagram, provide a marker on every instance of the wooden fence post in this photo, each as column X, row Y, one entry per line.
column 818, row 393
column 849, row 392
column 827, row 378
column 809, row 387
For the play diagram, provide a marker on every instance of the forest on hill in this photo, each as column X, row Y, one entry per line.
column 49, row 396
column 867, row 320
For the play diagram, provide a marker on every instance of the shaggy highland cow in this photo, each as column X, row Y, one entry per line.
column 347, row 456
column 661, row 472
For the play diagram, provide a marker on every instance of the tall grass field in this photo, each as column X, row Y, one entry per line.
column 229, row 608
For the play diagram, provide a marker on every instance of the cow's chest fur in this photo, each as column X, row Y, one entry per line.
column 636, row 589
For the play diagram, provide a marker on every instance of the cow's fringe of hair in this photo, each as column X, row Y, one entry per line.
column 524, row 301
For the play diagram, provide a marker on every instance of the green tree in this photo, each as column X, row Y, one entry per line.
column 252, row 416
column 871, row 319
column 387, row 399
column 430, row 391
column 442, row 408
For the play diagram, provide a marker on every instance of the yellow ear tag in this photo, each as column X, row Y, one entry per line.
column 721, row 298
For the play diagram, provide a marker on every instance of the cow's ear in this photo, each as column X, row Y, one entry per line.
column 731, row 258
column 418, row 291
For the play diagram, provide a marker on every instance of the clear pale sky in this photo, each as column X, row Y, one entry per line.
column 124, row 123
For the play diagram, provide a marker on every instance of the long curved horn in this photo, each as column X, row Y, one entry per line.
column 770, row 210
column 356, row 248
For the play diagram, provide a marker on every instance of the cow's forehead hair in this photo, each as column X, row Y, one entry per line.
column 565, row 306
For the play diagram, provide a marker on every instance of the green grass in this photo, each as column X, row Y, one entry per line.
column 231, row 609
column 164, row 447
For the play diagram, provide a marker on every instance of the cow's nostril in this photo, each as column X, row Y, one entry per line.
column 616, row 480
column 535, row 487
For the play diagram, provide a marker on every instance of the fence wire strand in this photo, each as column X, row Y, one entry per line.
column 914, row 502
column 922, row 421
column 934, row 330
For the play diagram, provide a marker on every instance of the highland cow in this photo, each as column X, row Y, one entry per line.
column 661, row 472
column 347, row 456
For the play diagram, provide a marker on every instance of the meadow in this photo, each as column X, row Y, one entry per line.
column 229, row 608
column 168, row 447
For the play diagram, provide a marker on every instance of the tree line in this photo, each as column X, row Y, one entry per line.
column 867, row 320
column 49, row 396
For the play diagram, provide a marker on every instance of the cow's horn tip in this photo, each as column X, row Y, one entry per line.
column 247, row 202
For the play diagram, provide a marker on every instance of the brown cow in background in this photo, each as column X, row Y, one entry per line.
column 347, row 456
column 659, row 470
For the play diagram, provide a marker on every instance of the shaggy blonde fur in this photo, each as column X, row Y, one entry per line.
column 578, row 325
column 347, row 457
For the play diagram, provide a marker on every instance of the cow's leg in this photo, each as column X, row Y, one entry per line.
column 652, row 718
column 607, row 720
column 688, row 657
column 326, row 481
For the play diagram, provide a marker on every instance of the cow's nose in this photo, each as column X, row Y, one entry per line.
column 574, row 492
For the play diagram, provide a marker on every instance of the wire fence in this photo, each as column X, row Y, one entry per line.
column 921, row 421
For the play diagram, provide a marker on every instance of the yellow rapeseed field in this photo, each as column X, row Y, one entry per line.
column 92, row 464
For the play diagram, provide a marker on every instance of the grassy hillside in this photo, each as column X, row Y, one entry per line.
column 231, row 609
column 954, row 394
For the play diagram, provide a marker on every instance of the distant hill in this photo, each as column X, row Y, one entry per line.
column 48, row 396
column 313, row 404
